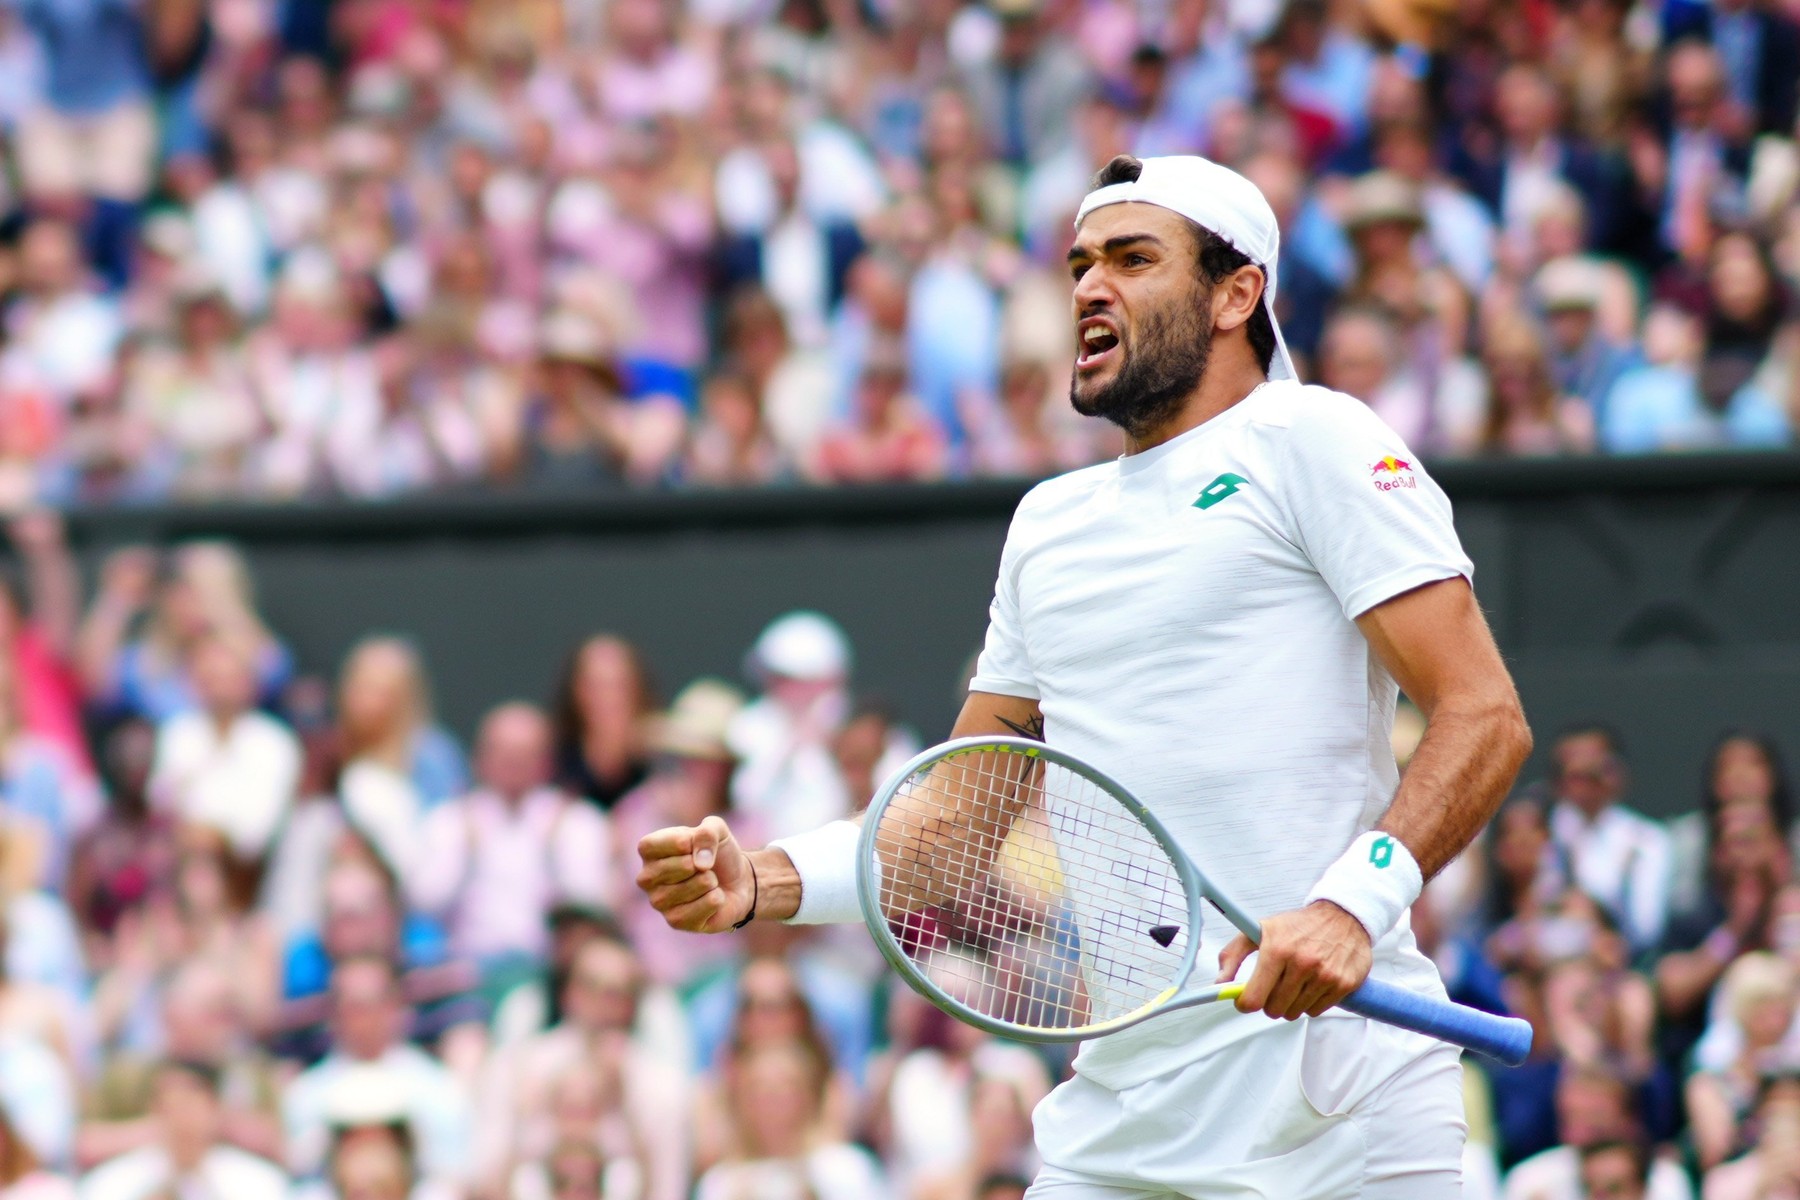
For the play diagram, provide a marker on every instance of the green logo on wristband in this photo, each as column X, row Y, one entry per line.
column 1381, row 852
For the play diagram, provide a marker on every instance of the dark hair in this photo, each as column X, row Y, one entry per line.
column 566, row 715
column 1615, row 743
column 1000, row 1179
column 1640, row 1154
column 1215, row 258
column 207, row 1075
column 1781, row 800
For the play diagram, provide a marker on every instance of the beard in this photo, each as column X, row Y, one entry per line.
column 1164, row 360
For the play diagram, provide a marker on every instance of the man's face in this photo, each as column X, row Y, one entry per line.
column 188, row 1111
column 1588, row 773
column 1611, row 1174
column 366, row 1010
column 1590, row 1110
column 513, row 756
column 1143, row 319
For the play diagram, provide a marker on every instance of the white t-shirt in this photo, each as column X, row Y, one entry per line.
column 1184, row 618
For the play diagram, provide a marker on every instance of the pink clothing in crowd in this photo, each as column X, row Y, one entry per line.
column 494, row 870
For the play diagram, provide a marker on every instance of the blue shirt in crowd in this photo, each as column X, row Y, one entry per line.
column 93, row 51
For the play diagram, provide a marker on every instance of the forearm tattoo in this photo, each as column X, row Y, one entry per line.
column 1033, row 727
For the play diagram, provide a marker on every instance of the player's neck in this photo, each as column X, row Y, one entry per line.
column 1226, row 382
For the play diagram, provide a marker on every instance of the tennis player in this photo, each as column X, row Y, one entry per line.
column 1219, row 620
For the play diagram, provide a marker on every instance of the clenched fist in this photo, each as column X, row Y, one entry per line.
column 697, row 876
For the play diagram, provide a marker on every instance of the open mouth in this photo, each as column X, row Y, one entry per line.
column 1096, row 342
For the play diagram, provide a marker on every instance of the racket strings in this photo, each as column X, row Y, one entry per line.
column 1028, row 892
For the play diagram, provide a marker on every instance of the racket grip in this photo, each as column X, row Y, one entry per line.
column 1505, row 1039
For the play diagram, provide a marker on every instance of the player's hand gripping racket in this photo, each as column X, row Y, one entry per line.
column 1024, row 892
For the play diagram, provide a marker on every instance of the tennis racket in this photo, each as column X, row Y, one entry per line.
column 1023, row 891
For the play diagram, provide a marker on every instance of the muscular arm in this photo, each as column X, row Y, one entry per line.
column 1435, row 643
column 701, row 880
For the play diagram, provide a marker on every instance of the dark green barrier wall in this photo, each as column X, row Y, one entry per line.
column 1663, row 594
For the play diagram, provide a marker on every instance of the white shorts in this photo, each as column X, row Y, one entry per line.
column 1331, row 1109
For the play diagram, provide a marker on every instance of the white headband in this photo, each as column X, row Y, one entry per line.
column 1218, row 199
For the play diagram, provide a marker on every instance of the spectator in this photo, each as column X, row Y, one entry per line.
column 1773, row 1165
column 397, row 761
column 1759, row 53
column 582, row 429
column 1705, row 153
column 226, row 766
column 37, row 633
column 786, row 776
column 1593, row 1109
column 797, row 258
column 1382, row 219
column 1665, row 404
column 494, row 862
column 732, row 445
column 206, row 591
column 1584, row 361
column 1527, row 413
column 372, row 1154
column 1533, row 153
column 64, row 329
column 37, row 795
column 197, row 394
column 189, row 1151
column 1615, row 1171
column 602, row 710
column 361, row 917
column 368, row 1021
column 889, row 438
column 1022, row 435
column 1749, row 866
column 775, row 1097
column 1759, row 998
column 201, row 913
column 1743, row 769
column 940, row 1099
column 1026, row 92
column 603, row 1023
column 1617, row 856
column 202, row 1022
column 119, row 861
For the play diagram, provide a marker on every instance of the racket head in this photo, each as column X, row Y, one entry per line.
column 1078, row 918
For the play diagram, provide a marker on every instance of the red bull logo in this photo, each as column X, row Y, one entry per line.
column 1391, row 473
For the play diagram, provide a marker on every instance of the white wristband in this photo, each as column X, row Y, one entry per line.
column 825, row 860
column 1375, row 881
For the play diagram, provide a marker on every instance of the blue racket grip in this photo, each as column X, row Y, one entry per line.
column 1505, row 1039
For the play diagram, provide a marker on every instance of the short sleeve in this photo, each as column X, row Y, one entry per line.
column 1003, row 668
column 1364, row 511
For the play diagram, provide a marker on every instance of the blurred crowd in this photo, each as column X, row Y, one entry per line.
column 269, row 934
column 300, row 248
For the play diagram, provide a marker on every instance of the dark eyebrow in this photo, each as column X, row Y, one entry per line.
column 1113, row 245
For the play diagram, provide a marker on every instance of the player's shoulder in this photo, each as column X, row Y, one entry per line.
column 1054, row 495
column 1309, row 412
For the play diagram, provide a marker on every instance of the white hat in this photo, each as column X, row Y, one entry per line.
column 1219, row 200
column 801, row 645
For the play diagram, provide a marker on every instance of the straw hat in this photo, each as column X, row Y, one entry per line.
column 695, row 725
column 1380, row 197
column 1571, row 282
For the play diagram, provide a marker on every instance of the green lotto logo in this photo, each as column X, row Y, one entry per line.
column 1225, row 485
column 1381, row 852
